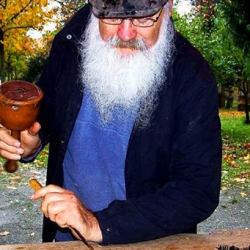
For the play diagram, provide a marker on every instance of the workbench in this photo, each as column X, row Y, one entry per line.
column 236, row 238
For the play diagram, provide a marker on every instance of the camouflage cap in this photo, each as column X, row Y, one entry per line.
column 126, row 8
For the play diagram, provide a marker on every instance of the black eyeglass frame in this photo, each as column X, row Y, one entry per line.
column 154, row 20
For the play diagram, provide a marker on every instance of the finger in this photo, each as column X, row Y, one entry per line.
column 46, row 190
column 9, row 146
column 56, row 203
column 10, row 152
column 34, row 129
column 10, row 156
column 64, row 213
column 61, row 219
column 55, row 198
column 58, row 211
column 7, row 139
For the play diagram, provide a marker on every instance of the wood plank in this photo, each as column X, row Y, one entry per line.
column 237, row 238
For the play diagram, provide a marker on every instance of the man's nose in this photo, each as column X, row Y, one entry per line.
column 126, row 30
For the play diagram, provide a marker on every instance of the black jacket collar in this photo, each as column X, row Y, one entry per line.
column 74, row 29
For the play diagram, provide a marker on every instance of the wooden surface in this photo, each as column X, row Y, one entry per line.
column 236, row 238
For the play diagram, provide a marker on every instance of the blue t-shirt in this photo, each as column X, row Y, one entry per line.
column 94, row 162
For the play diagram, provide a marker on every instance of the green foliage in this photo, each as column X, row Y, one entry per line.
column 211, row 38
column 224, row 48
column 237, row 16
column 35, row 65
column 16, row 18
column 216, row 44
column 234, row 200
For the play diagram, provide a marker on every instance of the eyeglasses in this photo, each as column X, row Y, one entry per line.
column 144, row 22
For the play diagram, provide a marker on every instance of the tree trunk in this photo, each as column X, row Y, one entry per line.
column 247, row 108
column 2, row 75
column 222, row 97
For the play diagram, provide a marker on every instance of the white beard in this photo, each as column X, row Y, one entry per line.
column 130, row 83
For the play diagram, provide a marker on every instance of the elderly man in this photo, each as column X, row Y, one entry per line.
column 130, row 112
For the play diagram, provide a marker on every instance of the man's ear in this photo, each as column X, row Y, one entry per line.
column 170, row 5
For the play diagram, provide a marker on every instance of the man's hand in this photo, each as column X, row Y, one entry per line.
column 13, row 149
column 63, row 207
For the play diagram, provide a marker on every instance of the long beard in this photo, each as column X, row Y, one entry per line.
column 128, row 83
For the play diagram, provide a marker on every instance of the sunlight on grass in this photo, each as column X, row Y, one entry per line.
column 234, row 127
column 236, row 150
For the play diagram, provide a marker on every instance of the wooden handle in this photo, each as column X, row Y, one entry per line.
column 11, row 166
column 35, row 184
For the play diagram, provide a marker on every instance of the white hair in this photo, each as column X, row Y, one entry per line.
column 130, row 83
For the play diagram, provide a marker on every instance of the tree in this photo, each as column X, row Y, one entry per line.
column 207, row 8
column 214, row 37
column 68, row 8
column 16, row 17
column 237, row 16
column 35, row 65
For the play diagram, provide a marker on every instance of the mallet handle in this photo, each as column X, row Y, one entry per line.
column 11, row 166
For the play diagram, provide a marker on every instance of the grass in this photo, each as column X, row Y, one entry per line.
column 235, row 161
column 233, row 126
column 236, row 150
column 23, row 174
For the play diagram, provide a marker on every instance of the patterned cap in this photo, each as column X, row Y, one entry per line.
column 126, row 8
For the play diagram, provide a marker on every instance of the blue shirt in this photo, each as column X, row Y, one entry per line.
column 95, row 159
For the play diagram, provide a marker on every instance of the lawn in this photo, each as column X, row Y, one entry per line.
column 236, row 150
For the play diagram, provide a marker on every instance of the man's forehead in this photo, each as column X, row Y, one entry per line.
column 126, row 8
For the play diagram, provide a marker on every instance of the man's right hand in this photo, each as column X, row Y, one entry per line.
column 11, row 148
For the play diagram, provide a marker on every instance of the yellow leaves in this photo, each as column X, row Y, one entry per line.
column 231, row 158
column 18, row 46
column 246, row 158
column 240, row 180
column 16, row 18
column 231, row 113
column 245, row 175
column 233, row 164
column 223, row 188
column 32, row 234
column 4, row 233
column 243, row 194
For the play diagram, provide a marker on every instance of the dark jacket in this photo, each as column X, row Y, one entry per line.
column 172, row 169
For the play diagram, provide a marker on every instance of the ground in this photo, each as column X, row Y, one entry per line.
column 21, row 219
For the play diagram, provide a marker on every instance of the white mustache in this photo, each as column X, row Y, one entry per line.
column 134, row 44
